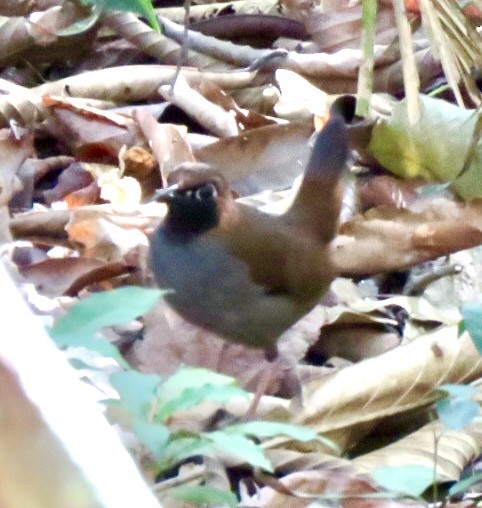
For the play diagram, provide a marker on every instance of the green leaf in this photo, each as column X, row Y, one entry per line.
column 472, row 318
column 99, row 310
column 142, row 7
column 98, row 344
column 409, row 480
column 190, row 397
column 273, row 429
column 241, row 447
column 203, row 494
column 428, row 150
column 82, row 25
column 152, row 435
column 457, row 410
column 191, row 377
column 180, row 448
column 189, row 386
column 432, row 190
column 456, row 414
column 136, row 391
column 459, row 391
column 463, row 485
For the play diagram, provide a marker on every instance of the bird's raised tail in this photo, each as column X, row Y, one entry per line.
column 317, row 205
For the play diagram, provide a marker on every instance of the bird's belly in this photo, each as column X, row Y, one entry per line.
column 212, row 288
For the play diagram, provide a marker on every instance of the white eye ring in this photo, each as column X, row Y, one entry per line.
column 206, row 191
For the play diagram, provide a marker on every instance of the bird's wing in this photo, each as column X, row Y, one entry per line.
column 280, row 258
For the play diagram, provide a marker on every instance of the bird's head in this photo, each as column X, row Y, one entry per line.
column 195, row 200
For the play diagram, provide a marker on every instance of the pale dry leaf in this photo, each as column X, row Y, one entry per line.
column 119, row 190
column 13, row 151
column 299, row 99
column 26, row 441
column 42, row 26
column 290, row 461
column 214, row 118
column 198, row 12
column 101, row 238
column 130, row 27
column 453, row 452
column 167, row 141
column 247, row 118
column 14, row 36
column 20, row 104
column 50, row 418
column 397, row 381
column 23, row 7
column 134, row 83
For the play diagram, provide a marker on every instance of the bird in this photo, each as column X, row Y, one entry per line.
column 241, row 273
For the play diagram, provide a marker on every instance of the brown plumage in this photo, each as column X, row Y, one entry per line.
column 241, row 273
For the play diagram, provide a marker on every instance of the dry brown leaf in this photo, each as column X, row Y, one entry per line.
column 49, row 226
column 31, row 172
column 170, row 342
column 389, row 78
column 389, row 191
column 140, row 164
column 76, row 125
column 341, row 27
column 354, row 342
column 351, row 491
column 264, row 158
column 387, row 239
column 67, row 276
column 73, row 178
column 209, row 10
column 88, row 195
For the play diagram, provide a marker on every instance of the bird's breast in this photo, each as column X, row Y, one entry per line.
column 214, row 288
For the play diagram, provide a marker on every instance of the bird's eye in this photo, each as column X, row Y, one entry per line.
column 188, row 193
column 206, row 191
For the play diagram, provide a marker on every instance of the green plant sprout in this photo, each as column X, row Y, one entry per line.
column 146, row 402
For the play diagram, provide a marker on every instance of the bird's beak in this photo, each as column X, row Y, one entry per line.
column 164, row 195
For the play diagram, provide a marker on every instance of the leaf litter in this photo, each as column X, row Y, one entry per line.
column 368, row 360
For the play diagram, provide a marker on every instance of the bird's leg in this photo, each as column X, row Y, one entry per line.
column 267, row 377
